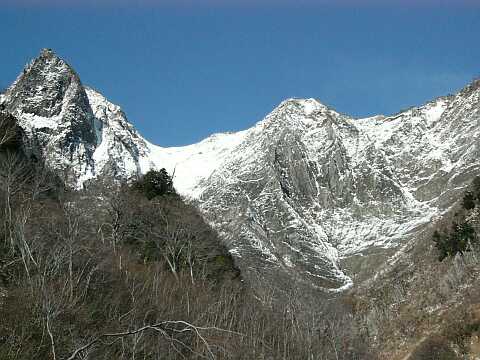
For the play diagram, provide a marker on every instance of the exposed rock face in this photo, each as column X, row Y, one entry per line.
column 297, row 197
column 74, row 128
column 52, row 106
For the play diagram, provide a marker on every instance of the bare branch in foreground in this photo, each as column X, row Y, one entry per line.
column 162, row 328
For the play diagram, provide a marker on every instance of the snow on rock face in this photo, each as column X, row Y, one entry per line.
column 307, row 188
column 77, row 129
column 52, row 107
column 295, row 196
column 120, row 152
column 73, row 127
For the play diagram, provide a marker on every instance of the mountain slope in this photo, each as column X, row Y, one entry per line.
column 307, row 196
column 316, row 187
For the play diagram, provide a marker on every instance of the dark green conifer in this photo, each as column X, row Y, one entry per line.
column 155, row 183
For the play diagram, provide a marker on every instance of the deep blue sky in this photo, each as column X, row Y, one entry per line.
column 182, row 72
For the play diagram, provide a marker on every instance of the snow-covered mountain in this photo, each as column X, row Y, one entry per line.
column 306, row 196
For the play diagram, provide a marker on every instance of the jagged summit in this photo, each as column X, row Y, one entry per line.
column 46, row 52
column 52, row 106
column 307, row 107
column 305, row 196
column 44, row 86
column 72, row 126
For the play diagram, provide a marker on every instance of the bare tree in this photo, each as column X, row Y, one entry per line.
column 8, row 129
column 166, row 329
column 14, row 176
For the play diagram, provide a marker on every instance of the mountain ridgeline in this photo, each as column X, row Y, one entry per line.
column 319, row 224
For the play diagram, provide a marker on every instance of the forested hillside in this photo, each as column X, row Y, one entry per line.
column 127, row 271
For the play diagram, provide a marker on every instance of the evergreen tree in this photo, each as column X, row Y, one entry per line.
column 476, row 188
column 469, row 201
column 155, row 183
column 460, row 239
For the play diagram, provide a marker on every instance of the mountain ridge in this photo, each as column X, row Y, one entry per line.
column 303, row 196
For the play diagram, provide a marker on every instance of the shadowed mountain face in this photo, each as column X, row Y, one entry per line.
column 306, row 197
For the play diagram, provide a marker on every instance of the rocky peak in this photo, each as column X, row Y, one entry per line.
column 46, row 86
column 52, row 107
column 474, row 86
column 301, row 113
column 75, row 129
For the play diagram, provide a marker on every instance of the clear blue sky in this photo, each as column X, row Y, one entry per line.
column 182, row 72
